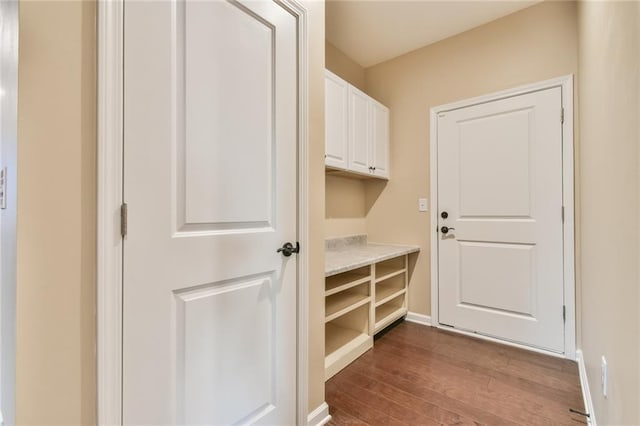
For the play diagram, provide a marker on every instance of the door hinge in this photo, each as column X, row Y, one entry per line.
column 123, row 220
column 562, row 213
column 562, row 115
column 3, row 188
column 564, row 313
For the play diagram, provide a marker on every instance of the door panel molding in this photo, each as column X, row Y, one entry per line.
column 566, row 85
column 110, row 184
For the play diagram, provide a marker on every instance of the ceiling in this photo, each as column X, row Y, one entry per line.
column 373, row 31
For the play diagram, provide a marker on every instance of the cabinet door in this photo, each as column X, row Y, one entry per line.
column 336, row 128
column 359, row 131
column 379, row 139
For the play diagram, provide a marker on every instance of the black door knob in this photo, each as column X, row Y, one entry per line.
column 446, row 229
column 288, row 249
column 444, row 215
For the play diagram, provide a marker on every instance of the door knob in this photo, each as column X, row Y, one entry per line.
column 287, row 249
column 446, row 229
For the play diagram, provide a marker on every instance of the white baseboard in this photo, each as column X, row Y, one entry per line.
column 418, row 318
column 584, row 383
column 320, row 416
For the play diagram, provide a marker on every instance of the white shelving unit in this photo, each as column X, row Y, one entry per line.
column 359, row 304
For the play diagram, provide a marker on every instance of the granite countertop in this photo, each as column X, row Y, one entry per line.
column 348, row 253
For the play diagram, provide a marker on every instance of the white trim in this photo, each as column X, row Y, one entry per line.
column 109, row 250
column 109, row 243
column 418, row 318
column 508, row 93
column 584, row 384
column 320, row 416
column 566, row 83
column 433, row 177
column 568, row 201
column 298, row 10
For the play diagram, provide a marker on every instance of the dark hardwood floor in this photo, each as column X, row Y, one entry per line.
column 417, row 375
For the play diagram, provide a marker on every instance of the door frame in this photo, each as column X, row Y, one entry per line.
column 566, row 84
column 110, row 185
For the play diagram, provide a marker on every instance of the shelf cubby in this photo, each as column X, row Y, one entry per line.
column 390, row 268
column 390, row 312
column 346, row 280
column 389, row 289
column 345, row 301
column 346, row 338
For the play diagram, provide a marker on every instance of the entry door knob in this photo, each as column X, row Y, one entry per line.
column 446, row 229
column 288, row 249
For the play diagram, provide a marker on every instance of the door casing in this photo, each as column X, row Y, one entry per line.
column 110, row 197
column 566, row 84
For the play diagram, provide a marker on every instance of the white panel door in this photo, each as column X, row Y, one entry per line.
column 336, row 127
column 359, row 131
column 379, row 139
column 500, row 183
column 210, row 135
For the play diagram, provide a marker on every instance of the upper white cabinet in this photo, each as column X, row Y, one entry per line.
column 379, row 157
column 336, row 130
column 356, row 130
column 359, row 123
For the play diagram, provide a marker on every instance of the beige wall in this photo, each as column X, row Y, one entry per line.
column 345, row 198
column 609, row 107
column 345, row 207
column 343, row 66
column 316, row 202
column 56, row 364
column 534, row 44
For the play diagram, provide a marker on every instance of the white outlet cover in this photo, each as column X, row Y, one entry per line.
column 422, row 205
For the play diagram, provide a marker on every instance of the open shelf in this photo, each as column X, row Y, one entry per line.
column 388, row 294
column 390, row 288
column 342, row 346
column 390, row 268
column 345, row 301
column 386, row 272
column 346, row 280
column 389, row 312
column 340, row 338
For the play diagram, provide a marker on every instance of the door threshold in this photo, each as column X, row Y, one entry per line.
column 501, row 341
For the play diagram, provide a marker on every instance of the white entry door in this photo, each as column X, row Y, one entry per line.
column 500, row 196
column 210, row 180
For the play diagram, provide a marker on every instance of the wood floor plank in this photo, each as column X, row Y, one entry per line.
column 340, row 418
column 422, row 375
column 344, row 401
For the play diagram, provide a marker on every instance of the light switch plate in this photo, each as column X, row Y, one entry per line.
column 422, row 205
